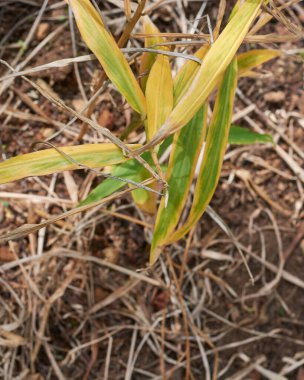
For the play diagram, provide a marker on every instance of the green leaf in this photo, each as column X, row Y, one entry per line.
column 131, row 169
column 128, row 170
column 187, row 145
column 216, row 143
column 244, row 136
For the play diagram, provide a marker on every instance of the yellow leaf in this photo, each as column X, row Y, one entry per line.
column 103, row 45
column 159, row 95
column 215, row 63
column 148, row 58
column 253, row 58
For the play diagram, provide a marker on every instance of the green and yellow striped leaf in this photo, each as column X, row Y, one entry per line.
column 216, row 144
column 186, row 74
column 103, row 45
column 127, row 170
column 187, row 145
column 215, row 63
column 158, row 85
column 130, row 170
column 50, row 161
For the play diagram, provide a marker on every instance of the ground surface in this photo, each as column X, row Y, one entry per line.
column 195, row 313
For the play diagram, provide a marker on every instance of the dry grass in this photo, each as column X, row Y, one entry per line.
column 74, row 303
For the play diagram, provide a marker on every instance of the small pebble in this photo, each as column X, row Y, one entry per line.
column 274, row 97
column 42, row 30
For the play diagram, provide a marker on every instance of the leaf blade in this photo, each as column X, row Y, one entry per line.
column 216, row 143
column 49, row 161
column 148, row 58
column 253, row 58
column 186, row 148
column 215, row 63
column 244, row 136
column 127, row 169
column 186, row 74
column 103, row 45
column 159, row 95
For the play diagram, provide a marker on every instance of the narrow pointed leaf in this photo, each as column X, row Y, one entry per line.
column 216, row 143
column 244, row 136
column 186, row 148
column 253, row 58
column 215, row 63
column 107, row 187
column 186, row 74
column 103, row 45
column 49, row 161
column 146, row 200
column 235, row 9
column 131, row 170
column 104, row 189
column 159, row 95
column 148, row 58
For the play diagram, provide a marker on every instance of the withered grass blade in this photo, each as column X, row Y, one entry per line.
column 128, row 11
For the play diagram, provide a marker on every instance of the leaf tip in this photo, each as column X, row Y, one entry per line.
column 154, row 254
